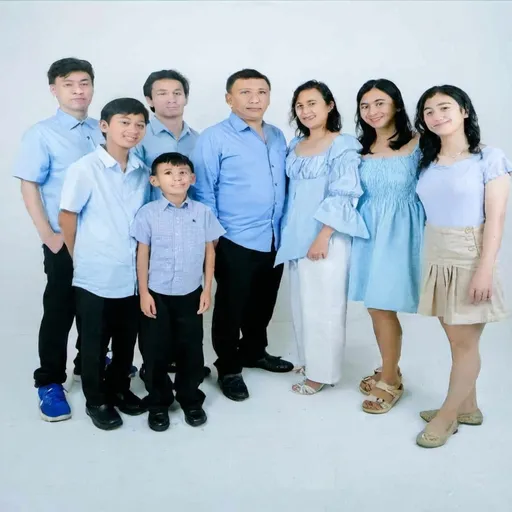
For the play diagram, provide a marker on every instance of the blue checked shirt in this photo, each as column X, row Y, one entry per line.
column 48, row 148
column 177, row 238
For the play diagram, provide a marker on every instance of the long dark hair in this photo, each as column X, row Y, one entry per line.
column 430, row 143
column 333, row 119
column 403, row 128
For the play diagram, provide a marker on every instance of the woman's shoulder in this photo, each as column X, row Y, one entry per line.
column 342, row 143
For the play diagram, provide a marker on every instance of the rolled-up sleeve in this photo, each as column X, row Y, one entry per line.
column 33, row 160
column 76, row 189
column 206, row 160
column 338, row 209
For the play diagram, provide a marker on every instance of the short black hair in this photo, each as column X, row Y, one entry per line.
column 64, row 67
column 173, row 159
column 245, row 74
column 164, row 74
column 123, row 106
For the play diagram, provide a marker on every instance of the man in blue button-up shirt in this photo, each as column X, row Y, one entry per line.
column 240, row 169
column 47, row 149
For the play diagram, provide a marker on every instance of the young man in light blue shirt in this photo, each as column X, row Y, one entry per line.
column 48, row 148
column 102, row 192
column 175, row 242
column 240, row 170
column 166, row 93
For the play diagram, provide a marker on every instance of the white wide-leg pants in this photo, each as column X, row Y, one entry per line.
column 319, row 310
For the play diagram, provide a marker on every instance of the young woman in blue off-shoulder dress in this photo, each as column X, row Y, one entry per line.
column 385, row 269
column 317, row 229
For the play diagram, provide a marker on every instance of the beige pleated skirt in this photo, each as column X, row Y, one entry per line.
column 451, row 256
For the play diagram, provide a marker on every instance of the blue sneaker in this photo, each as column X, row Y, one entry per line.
column 53, row 404
column 133, row 369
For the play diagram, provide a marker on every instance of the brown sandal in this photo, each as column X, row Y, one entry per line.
column 368, row 383
column 396, row 393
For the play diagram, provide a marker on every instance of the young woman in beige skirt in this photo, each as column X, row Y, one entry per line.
column 464, row 187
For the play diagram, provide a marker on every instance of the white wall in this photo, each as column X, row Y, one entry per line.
column 416, row 44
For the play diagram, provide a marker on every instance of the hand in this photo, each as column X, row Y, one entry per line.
column 147, row 305
column 204, row 302
column 319, row 248
column 480, row 287
column 54, row 242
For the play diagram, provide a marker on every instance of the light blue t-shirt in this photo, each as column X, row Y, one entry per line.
column 48, row 148
column 106, row 200
column 454, row 195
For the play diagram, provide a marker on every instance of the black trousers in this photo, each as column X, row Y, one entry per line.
column 247, row 287
column 103, row 320
column 58, row 314
column 177, row 329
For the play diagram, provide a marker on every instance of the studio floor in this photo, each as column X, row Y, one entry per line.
column 276, row 451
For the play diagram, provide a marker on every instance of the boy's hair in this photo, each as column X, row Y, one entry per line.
column 123, row 106
column 244, row 74
column 64, row 67
column 173, row 159
column 165, row 74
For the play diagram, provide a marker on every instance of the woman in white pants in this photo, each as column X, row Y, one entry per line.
column 319, row 223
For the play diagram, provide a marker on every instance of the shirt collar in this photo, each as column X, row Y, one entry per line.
column 110, row 162
column 164, row 203
column 240, row 125
column 158, row 127
column 70, row 122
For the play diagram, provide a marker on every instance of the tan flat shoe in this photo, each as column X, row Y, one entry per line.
column 467, row 418
column 431, row 440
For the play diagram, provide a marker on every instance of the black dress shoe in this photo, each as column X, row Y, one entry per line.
column 271, row 364
column 128, row 402
column 104, row 416
column 195, row 417
column 207, row 371
column 233, row 386
column 158, row 420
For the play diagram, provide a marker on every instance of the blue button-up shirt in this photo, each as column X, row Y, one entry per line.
column 177, row 237
column 159, row 139
column 241, row 177
column 48, row 148
column 106, row 200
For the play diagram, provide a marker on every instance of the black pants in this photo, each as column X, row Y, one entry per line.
column 103, row 320
column 177, row 329
column 58, row 315
column 247, row 286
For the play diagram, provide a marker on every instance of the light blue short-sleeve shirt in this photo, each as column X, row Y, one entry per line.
column 106, row 200
column 177, row 237
column 48, row 148
column 159, row 139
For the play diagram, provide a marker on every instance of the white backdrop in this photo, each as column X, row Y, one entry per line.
column 416, row 44
column 266, row 443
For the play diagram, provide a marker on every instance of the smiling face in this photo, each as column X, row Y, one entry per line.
column 173, row 180
column 377, row 109
column 443, row 115
column 124, row 130
column 311, row 109
column 249, row 99
column 73, row 92
column 167, row 98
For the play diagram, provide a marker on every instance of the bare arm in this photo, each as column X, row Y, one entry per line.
column 143, row 267
column 67, row 222
column 147, row 303
column 496, row 197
